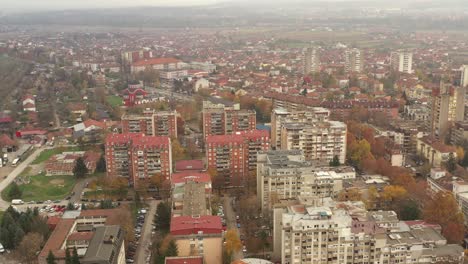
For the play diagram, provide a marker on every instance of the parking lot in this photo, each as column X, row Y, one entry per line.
column 140, row 250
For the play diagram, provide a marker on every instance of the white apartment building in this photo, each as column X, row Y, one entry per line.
column 354, row 60
column 344, row 232
column 279, row 116
column 286, row 175
column 464, row 76
column 402, row 61
column 311, row 61
column 320, row 141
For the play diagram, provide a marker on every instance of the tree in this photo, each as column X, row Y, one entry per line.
column 177, row 150
column 51, row 258
column 350, row 194
column 126, row 221
column 75, row 259
column 410, row 211
column 68, row 258
column 101, row 164
column 172, row 249
column 163, row 217
column 335, row 162
column 29, row 246
column 80, row 168
column 233, row 243
column 15, row 192
column 443, row 209
column 451, row 163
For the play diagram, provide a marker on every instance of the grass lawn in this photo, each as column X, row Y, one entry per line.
column 46, row 154
column 114, row 101
column 42, row 188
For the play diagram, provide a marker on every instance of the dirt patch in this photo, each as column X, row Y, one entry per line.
column 57, row 182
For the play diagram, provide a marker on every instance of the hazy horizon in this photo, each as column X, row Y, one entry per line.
column 45, row 5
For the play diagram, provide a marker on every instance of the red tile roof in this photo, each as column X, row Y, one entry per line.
column 224, row 139
column 184, row 260
column 122, row 138
column 155, row 61
column 5, row 140
column 187, row 225
column 151, row 141
column 57, row 238
column 183, row 165
column 186, row 176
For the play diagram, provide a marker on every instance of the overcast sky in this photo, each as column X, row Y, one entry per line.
column 31, row 5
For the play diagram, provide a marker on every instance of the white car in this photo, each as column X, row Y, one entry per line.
column 2, row 249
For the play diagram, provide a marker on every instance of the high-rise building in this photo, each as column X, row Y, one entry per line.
column 234, row 156
column 332, row 232
column 354, row 61
column 310, row 131
column 219, row 119
column 402, row 61
column 151, row 123
column 464, row 76
column 311, row 61
column 280, row 115
column 448, row 105
column 137, row 157
column 285, row 175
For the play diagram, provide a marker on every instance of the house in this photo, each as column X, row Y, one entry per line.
column 89, row 130
column 7, row 144
column 77, row 108
column 29, row 103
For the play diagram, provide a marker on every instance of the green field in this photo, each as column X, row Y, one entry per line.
column 46, row 154
column 42, row 188
column 114, row 101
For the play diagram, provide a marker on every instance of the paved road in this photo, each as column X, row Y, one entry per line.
column 15, row 173
column 231, row 223
column 142, row 251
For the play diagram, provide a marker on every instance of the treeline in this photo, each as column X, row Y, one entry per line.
column 15, row 226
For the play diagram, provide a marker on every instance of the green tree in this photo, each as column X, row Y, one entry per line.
column 101, row 164
column 335, row 162
column 74, row 258
column 163, row 217
column 51, row 258
column 410, row 211
column 70, row 206
column 80, row 168
column 451, row 163
column 68, row 258
column 172, row 249
column 15, row 192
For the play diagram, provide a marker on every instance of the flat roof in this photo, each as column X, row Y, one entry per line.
column 102, row 247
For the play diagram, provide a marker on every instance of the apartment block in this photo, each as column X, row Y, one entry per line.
column 311, row 61
column 459, row 132
column 320, row 141
column 344, row 232
column 435, row 151
column 402, row 61
column 221, row 120
column 279, row 116
column 284, row 175
column 191, row 193
column 354, row 61
column 234, row 156
column 151, row 123
column 137, row 157
column 448, row 105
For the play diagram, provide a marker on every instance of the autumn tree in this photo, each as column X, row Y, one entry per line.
column 444, row 210
column 350, row 194
column 392, row 194
column 358, row 151
column 372, row 198
column 233, row 243
column 451, row 163
column 28, row 247
column 126, row 221
column 178, row 151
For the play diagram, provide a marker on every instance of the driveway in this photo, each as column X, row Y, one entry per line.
column 15, row 173
column 231, row 223
column 143, row 250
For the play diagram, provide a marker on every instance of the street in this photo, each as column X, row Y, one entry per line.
column 231, row 223
column 142, row 251
column 15, row 173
